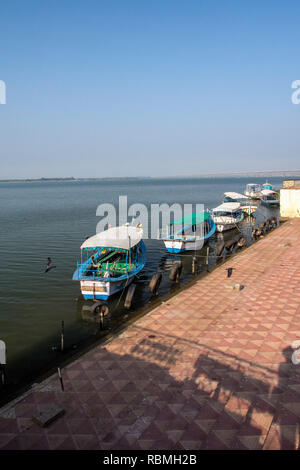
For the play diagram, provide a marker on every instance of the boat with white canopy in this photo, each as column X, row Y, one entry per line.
column 227, row 216
column 188, row 233
column 235, row 197
column 245, row 201
column 109, row 261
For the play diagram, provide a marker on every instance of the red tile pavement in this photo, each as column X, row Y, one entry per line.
column 209, row 369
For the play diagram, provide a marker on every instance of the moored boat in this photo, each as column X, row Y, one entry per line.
column 188, row 233
column 268, row 186
column 253, row 190
column 248, row 209
column 235, row 197
column 109, row 261
column 227, row 216
column 268, row 198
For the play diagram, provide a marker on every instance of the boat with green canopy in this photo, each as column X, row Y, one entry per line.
column 188, row 233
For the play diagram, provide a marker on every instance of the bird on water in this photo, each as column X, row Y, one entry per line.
column 49, row 265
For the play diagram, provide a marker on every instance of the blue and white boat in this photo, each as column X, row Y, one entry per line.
column 109, row 261
column 188, row 233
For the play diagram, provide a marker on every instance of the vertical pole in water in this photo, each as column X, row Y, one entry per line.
column 129, row 251
column 60, row 379
column 2, row 361
column 62, row 336
column 194, row 261
column 207, row 252
column 101, row 319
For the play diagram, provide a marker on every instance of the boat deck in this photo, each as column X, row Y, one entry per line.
column 114, row 269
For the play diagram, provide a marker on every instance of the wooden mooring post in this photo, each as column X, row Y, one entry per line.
column 194, row 264
column 207, row 254
column 62, row 336
column 60, row 379
column 2, row 361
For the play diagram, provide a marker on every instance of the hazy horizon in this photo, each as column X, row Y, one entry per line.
column 243, row 174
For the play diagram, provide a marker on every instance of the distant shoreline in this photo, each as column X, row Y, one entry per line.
column 254, row 174
column 66, row 180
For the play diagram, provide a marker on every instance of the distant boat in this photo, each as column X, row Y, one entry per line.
column 235, row 197
column 253, row 190
column 109, row 261
column 268, row 186
column 268, row 198
column 195, row 229
column 227, row 216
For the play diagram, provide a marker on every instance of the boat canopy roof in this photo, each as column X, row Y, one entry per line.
column 233, row 195
column 123, row 237
column 192, row 219
column 267, row 192
column 227, row 206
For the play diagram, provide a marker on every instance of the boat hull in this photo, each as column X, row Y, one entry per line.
column 181, row 243
column 100, row 290
column 224, row 227
column 224, row 223
column 270, row 203
column 179, row 246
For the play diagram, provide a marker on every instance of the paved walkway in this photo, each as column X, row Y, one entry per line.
column 209, row 369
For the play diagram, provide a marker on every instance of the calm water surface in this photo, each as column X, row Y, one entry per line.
column 52, row 219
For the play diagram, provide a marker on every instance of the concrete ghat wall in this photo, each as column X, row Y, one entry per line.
column 290, row 202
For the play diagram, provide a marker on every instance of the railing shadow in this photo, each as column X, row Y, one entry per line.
column 250, row 398
column 160, row 395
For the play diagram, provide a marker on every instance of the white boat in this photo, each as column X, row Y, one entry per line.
column 191, row 232
column 253, row 190
column 235, row 197
column 109, row 261
column 227, row 216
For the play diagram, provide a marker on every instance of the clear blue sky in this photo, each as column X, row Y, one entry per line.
column 156, row 87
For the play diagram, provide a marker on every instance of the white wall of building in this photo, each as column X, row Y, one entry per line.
column 290, row 203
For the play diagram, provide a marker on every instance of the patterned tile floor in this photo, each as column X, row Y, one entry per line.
column 209, row 369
